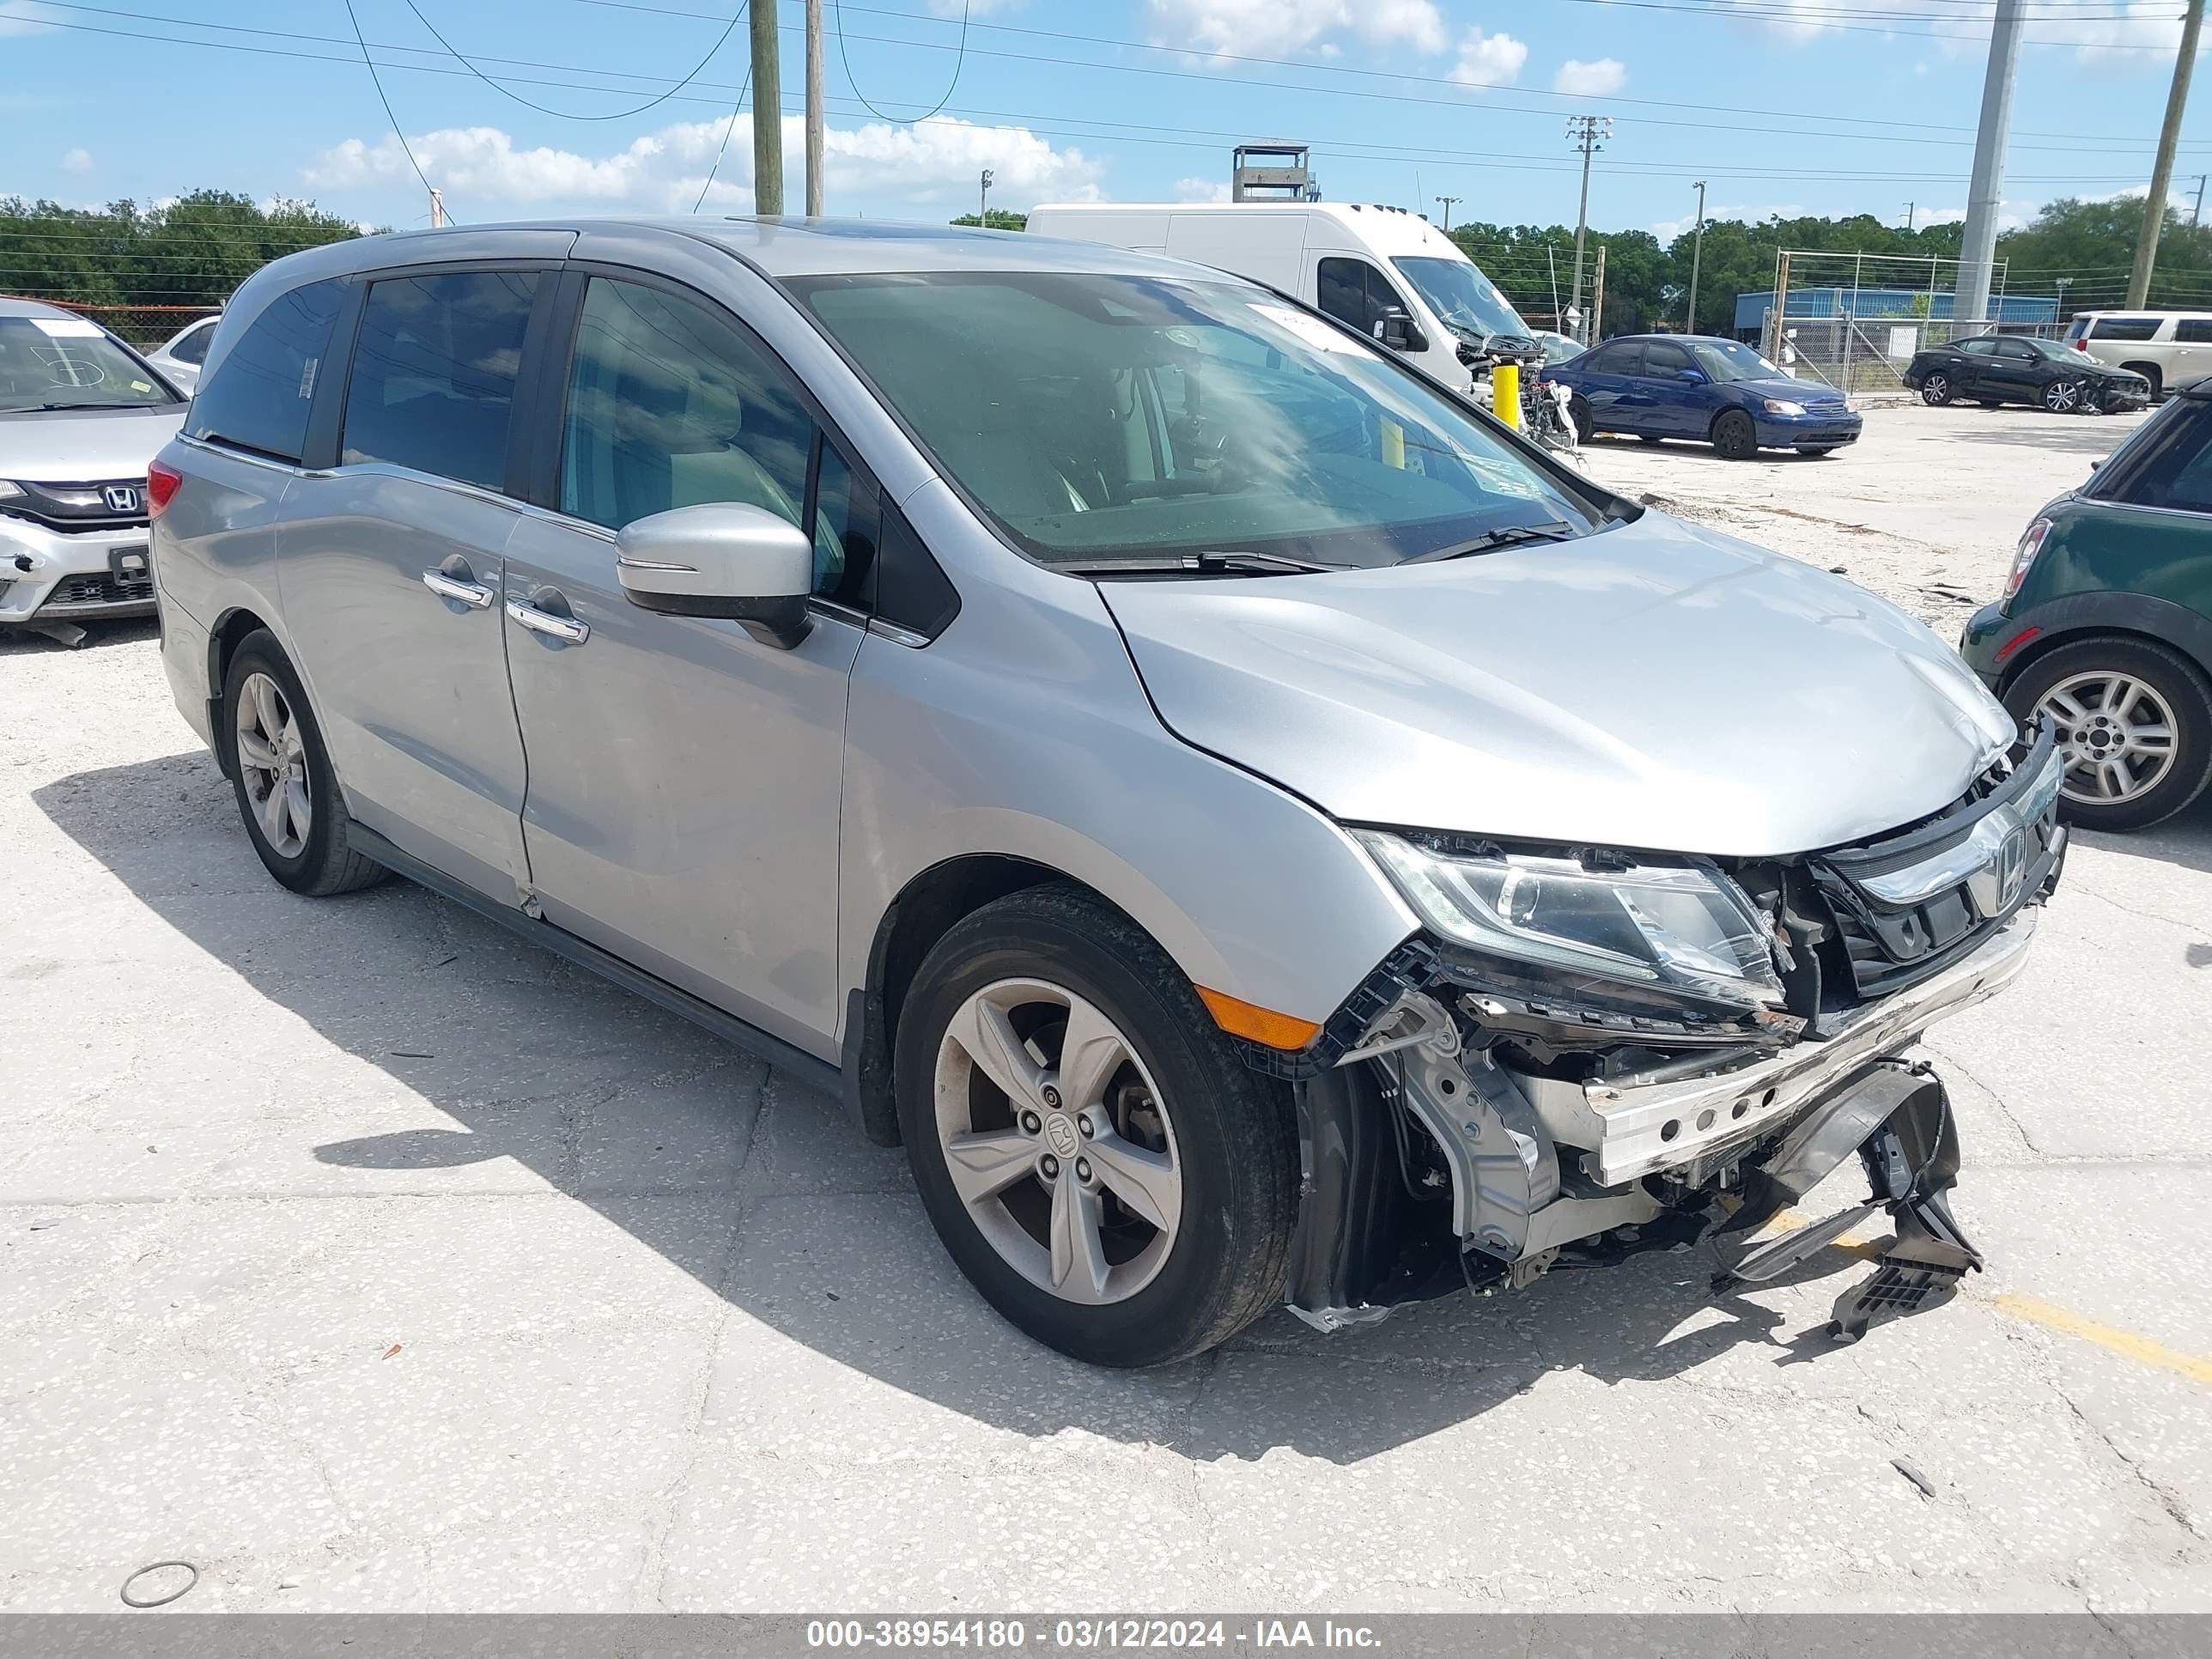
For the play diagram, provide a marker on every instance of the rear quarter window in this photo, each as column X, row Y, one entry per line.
column 258, row 396
column 2124, row 328
column 2192, row 331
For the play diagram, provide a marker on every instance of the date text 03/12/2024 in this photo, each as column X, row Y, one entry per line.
column 1011, row 1635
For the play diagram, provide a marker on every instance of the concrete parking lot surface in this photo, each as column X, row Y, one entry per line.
column 369, row 1260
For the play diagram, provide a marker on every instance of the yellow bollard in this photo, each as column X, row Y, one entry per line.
column 1505, row 392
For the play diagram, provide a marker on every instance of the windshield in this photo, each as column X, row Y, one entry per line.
column 1730, row 360
column 1557, row 348
column 1461, row 296
column 66, row 363
column 2050, row 349
column 1097, row 418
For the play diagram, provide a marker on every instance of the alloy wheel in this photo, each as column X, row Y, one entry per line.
column 2062, row 397
column 2118, row 734
column 1936, row 390
column 1057, row 1141
column 274, row 765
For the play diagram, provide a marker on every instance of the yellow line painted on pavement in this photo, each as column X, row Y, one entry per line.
column 2126, row 1344
column 2035, row 1311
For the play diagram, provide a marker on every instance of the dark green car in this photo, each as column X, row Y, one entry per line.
column 2106, row 624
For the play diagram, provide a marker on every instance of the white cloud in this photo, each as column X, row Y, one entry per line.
column 77, row 161
column 1489, row 60
column 931, row 164
column 17, row 18
column 1277, row 26
column 1595, row 80
column 2154, row 24
column 1201, row 190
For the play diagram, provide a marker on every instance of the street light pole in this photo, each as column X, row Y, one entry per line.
column 983, row 201
column 1587, row 133
column 1696, row 253
column 1447, row 203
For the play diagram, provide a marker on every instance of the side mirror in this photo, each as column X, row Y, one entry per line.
column 721, row 559
column 1691, row 376
column 1396, row 329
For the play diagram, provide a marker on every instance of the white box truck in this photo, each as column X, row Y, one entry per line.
column 1389, row 273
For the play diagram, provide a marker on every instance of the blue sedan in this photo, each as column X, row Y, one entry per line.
column 1691, row 385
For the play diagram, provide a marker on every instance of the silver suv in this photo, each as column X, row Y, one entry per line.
column 1255, row 829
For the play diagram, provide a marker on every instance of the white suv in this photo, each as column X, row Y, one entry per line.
column 2169, row 348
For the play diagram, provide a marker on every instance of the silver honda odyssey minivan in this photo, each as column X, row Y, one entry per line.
column 1254, row 828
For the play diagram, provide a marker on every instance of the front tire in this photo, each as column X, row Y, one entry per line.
column 1091, row 1149
column 1734, row 437
column 2135, row 720
column 1578, row 411
column 2064, row 397
column 288, row 793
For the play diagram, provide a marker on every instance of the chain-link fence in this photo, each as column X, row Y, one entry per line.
column 1854, row 320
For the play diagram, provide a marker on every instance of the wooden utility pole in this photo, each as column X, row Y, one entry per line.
column 1597, row 298
column 768, row 112
column 814, row 109
column 2161, row 175
column 437, row 208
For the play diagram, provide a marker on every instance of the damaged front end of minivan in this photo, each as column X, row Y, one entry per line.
column 1593, row 1051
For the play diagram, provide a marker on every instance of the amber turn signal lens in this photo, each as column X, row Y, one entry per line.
column 1263, row 1025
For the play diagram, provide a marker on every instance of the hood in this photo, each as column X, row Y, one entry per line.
column 77, row 446
column 1655, row 686
column 1807, row 393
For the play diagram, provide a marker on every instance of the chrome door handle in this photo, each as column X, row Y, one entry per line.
column 567, row 630
column 475, row 595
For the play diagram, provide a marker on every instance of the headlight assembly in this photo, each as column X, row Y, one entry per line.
column 1783, row 406
column 1673, row 926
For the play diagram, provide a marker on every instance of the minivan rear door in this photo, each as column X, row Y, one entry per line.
column 390, row 559
column 684, row 776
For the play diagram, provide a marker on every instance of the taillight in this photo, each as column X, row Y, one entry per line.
column 161, row 482
column 2081, row 345
column 2031, row 544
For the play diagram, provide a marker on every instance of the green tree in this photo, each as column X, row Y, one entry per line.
column 999, row 220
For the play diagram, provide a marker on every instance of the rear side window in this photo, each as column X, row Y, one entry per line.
column 258, row 397
column 433, row 382
column 2193, row 330
column 1611, row 360
column 2123, row 328
column 1663, row 359
column 193, row 348
column 2173, row 468
column 1977, row 347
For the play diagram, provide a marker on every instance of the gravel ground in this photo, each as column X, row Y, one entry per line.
column 370, row 1261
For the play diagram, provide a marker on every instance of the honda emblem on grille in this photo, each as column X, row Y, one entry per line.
column 1993, row 888
column 120, row 498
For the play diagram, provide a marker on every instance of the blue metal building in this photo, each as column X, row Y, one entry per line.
column 1886, row 304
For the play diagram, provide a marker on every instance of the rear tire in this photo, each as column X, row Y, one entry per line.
column 1033, row 965
column 1935, row 390
column 1734, row 437
column 266, row 719
column 2110, row 696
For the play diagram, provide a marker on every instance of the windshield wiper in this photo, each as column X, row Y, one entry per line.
column 1224, row 563
column 43, row 408
column 1511, row 535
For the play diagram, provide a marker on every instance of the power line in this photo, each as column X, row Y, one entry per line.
column 2073, row 145
column 544, row 109
column 951, row 87
column 722, row 148
column 378, row 81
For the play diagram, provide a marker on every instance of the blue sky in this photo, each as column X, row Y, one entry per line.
column 1789, row 106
